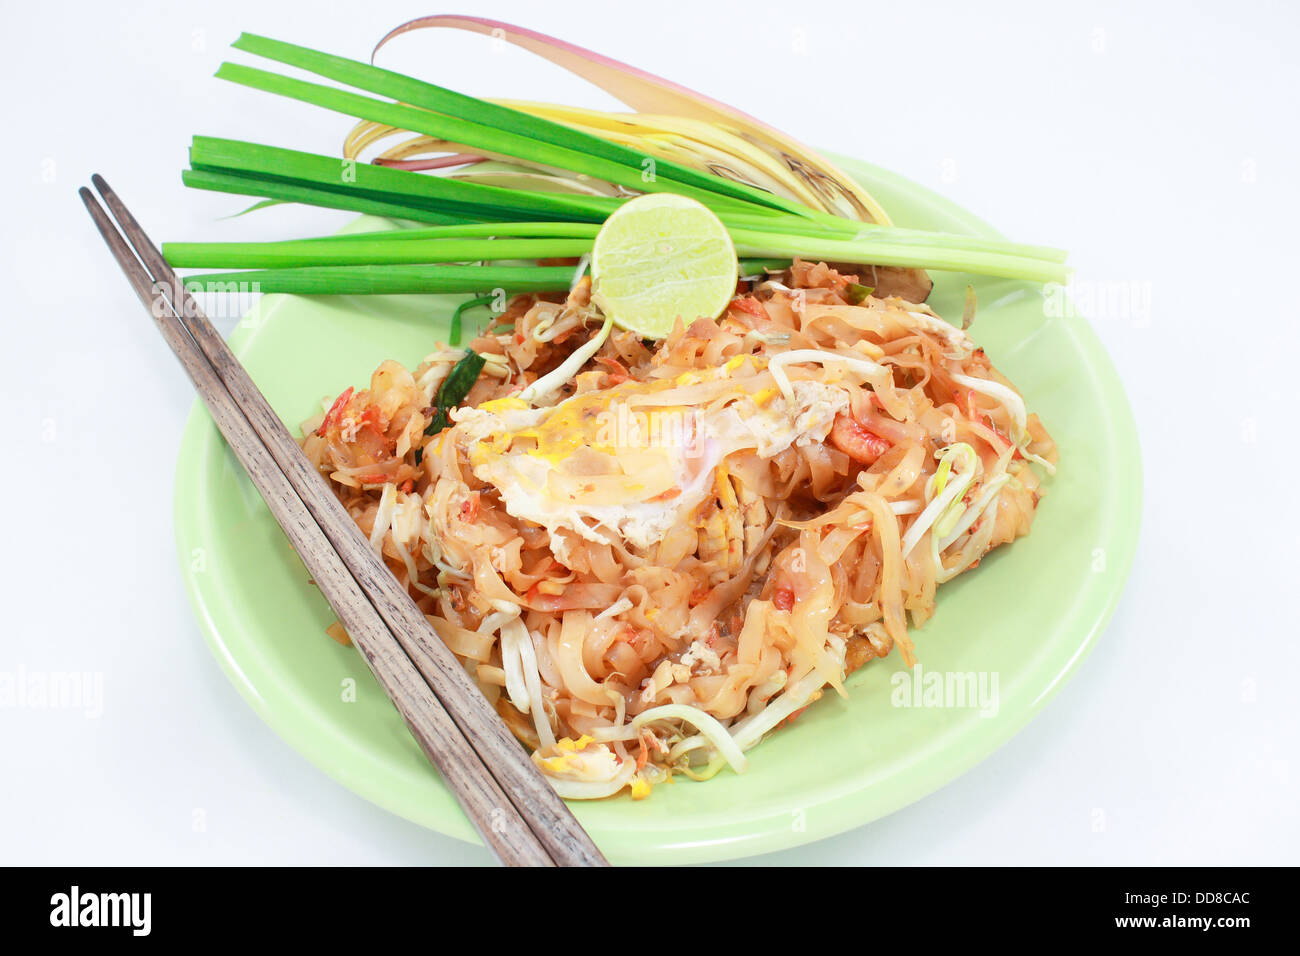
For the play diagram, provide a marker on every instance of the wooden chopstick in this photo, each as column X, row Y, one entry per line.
column 440, row 738
column 514, row 808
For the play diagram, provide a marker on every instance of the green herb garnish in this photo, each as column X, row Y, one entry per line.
column 453, row 335
column 857, row 294
column 451, row 394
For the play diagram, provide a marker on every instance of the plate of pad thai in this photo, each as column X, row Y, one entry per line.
column 761, row 493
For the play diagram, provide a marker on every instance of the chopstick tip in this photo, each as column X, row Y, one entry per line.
column 88, row 199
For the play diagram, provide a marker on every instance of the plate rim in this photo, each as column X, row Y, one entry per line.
column 837, row 811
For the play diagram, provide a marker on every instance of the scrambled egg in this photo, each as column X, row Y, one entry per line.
column 581, row 759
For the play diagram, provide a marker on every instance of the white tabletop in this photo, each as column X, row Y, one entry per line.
column 1159, row 145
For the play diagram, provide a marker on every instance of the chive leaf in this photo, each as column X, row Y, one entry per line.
column 452, row 392
column 453, row 335
column 857, row 294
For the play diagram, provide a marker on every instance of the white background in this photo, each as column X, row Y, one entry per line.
column 1158, row 143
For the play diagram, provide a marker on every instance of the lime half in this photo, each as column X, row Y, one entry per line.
column 660, row 257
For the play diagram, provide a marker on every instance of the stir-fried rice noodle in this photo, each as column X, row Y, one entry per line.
column 676, row 550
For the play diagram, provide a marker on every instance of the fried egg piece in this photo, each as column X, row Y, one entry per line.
column 623, row 461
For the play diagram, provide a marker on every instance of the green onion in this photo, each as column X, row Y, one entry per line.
column 490, row 127
column 469, row 230
column 881, row 249
column 387, row 280
column 333, row 245
column 756, row 267
column 451, row 394
column 856, row 294
column 293, row 192
column 453, row 334
column 436, row 193
column 454, row 388
column 274, row 255
column 478, row 137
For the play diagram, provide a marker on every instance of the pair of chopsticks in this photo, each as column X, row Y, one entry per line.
column 520, row 817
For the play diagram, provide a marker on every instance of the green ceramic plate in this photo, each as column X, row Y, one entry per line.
column 1025, row 618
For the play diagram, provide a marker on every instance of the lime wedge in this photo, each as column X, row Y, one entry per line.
column 659, row 257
